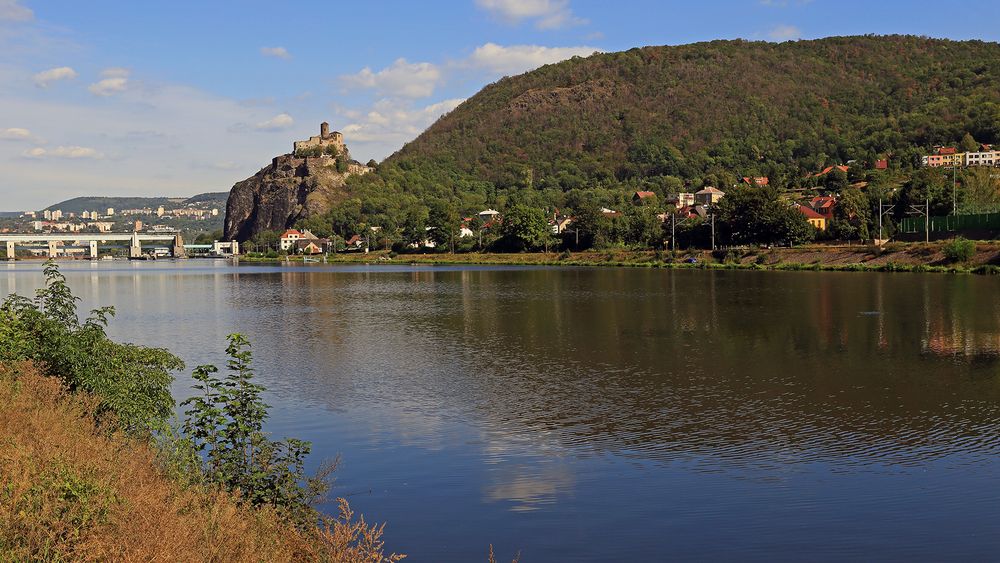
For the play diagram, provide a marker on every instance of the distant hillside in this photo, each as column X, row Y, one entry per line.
column 700, row 114
column 101, row 204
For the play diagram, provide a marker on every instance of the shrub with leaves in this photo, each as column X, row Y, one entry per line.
column 959, row 250
column 132, row 382
column 226, row 423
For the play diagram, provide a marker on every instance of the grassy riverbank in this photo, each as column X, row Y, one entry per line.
column 71, row 491
column 895, row 257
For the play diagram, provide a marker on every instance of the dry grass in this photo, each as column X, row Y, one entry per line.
column 69, row 493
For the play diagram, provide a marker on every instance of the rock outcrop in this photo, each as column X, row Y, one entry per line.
column 289, row 189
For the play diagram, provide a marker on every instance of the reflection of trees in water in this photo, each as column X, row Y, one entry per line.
column 746, row 368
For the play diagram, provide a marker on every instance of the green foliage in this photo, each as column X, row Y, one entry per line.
column 523, row 228
column 132, row 382
column 225, row 423
column 959, row 249
column 759, row 216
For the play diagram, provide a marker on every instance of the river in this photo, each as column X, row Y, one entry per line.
column 578, row 414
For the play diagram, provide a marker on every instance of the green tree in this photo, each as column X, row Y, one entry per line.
column 968, row 144
column 523, row 228
column 225, row 423
column 131, row 382
column 445, row 222
column 759, row 216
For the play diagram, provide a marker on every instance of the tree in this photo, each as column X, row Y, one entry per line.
column 445, row 222
column 759, row 216
column 414, row 228
column 980, row 191
column 968, row 144
column 643, row 227
column 522, row 228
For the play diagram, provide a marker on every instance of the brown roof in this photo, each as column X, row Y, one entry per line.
column 809, row 213
column 643, row 194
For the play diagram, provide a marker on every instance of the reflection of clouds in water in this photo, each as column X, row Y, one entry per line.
column 529, row 487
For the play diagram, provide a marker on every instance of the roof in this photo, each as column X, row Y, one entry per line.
column 291, row 232
column 759, row 180
column 882, row 164
column 643, row 194
column 947, row 150
column 829, row 169
column 489, row 212
column 709, row 190
column 809, row 213
column 823, row 201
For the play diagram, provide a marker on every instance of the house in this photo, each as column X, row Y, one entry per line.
column 823, row 205
column 289, row 238
column 559, row 224
column 488, row 215
column 693, row 212
column 354, row 243
column 815, row 219
column 609, row 212
column 829, row 169
column 982, row 158
column 757, row 181
column 947, row 157
column 310, row 246
column 882, row 164
column 708, row 196
column 682, row 199
column 638, row 197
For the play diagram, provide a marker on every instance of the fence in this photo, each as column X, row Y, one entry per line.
column 952, row 223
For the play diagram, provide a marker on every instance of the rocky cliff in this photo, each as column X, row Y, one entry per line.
column 289, row 189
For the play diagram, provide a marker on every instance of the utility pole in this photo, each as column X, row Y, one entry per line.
column 927, row 220
column 882, row 210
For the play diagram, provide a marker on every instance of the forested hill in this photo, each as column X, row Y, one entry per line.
column 723, row 108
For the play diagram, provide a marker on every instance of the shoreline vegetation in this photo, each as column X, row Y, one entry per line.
column 936, row 257
column 96, row 464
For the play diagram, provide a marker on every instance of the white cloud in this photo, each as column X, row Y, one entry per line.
column 12, row 10
column 279, row 122
column 389, row 123
column 547, row 14
column 114, row 81
column 44, row 78
column 15, row 134
column 402, row 79
column 277, row 52
column 516, row 59
column 73, row 152
column 784, row 33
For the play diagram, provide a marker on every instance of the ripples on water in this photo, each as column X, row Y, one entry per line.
column 609, row 414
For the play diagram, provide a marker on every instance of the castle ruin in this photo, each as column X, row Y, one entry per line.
column 324, row 140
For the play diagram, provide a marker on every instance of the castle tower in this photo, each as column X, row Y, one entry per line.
column 324, row 130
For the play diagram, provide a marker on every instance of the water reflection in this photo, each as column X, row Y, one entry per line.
column 528, row 387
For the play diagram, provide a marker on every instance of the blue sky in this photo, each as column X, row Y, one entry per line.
column 175, row 98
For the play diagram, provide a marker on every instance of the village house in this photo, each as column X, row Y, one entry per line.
column 681, row 199
column 289, row 239
column 815, row 219
column 757, row 181
column 882, row 164
column 708, row 196
column 640, row 196
column 829, row 169
column 311, row 246
column 559, row 224
column 488, row 215
column 823, row 205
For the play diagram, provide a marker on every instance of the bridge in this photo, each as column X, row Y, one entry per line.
column 177, row 249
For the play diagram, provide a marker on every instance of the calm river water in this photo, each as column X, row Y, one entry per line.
column 612, row 414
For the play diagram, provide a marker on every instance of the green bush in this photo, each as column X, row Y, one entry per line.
column 132, row 382
column 226, row 423
column 959, row 250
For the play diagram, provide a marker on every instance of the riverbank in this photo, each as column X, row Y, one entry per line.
column 894, row 257
column 69, row 491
